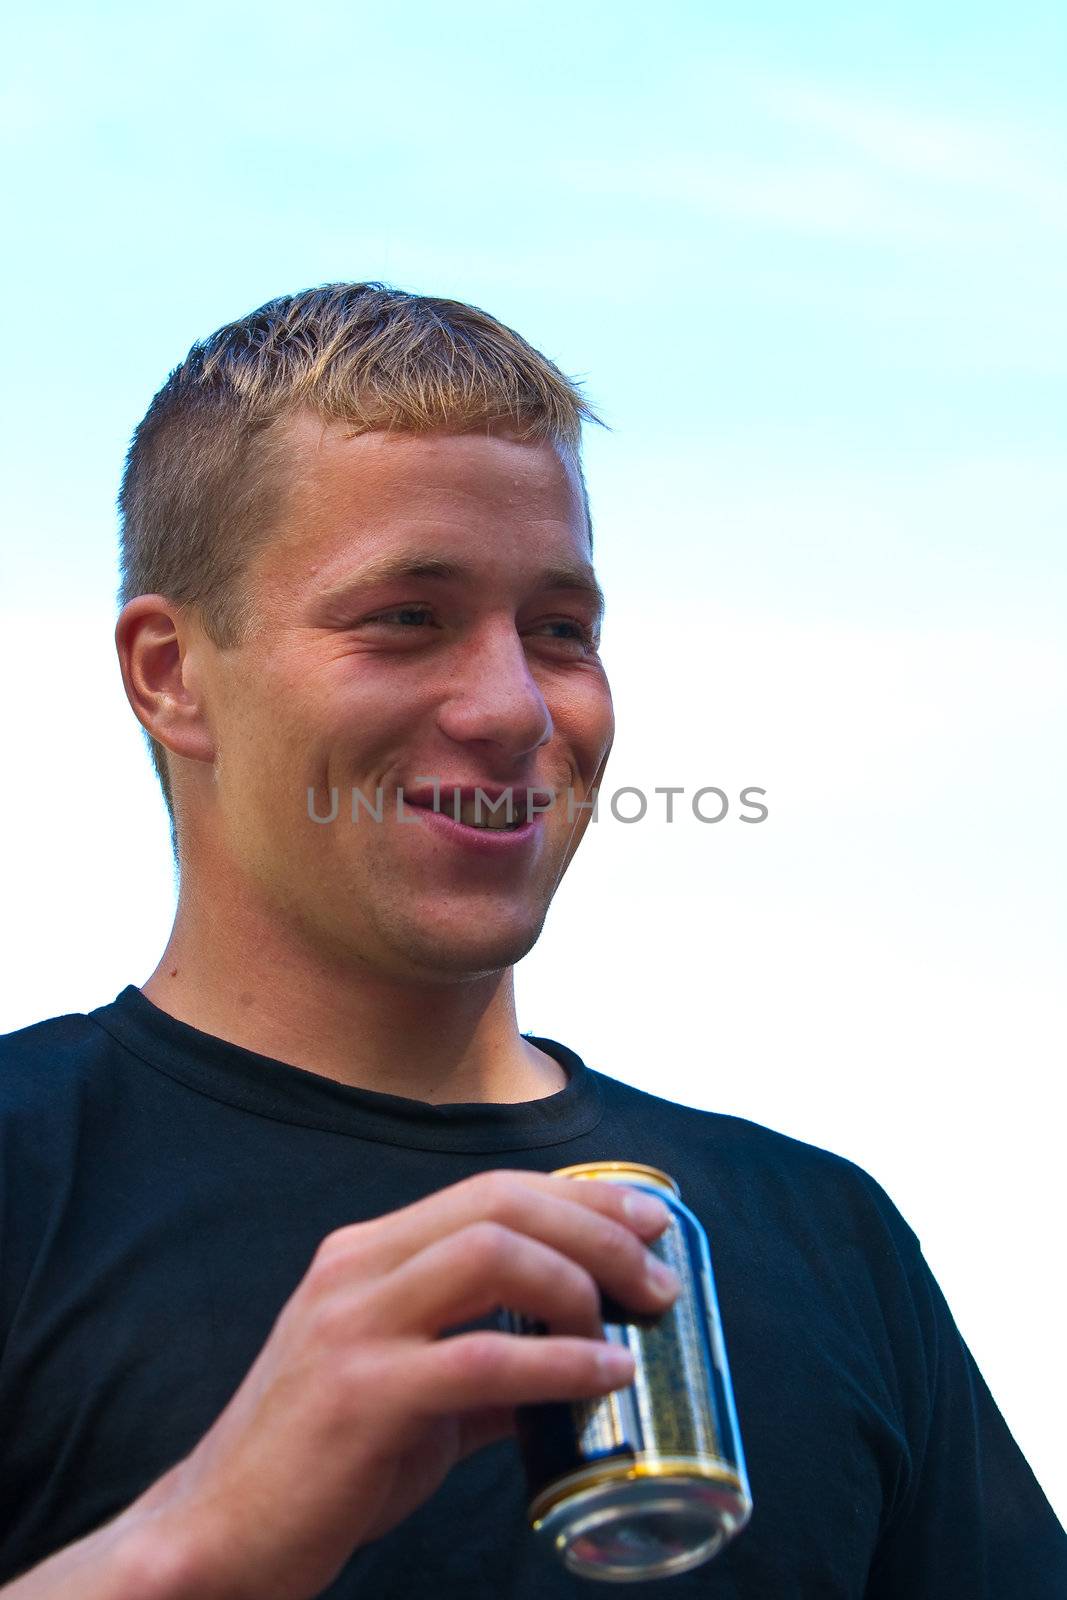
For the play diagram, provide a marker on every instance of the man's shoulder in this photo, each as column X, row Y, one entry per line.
column 729, row 1132
column 774, row 1169
column 50, row 1061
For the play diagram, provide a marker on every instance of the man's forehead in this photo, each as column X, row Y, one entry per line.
column 319, row 446
column 333, row 477
column 373, row 501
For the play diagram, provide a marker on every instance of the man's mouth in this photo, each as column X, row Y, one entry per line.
column 488, row 809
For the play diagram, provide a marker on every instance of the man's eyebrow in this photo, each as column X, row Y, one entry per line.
column 576, row 576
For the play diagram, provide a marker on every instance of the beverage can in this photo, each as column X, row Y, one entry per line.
column 649, row 1480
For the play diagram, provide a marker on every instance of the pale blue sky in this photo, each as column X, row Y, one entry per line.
column 810, row 263
column 801, row 236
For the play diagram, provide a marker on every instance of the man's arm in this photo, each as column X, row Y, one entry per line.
column 973, row 1521
column 133, row 1557
column 356, row 1409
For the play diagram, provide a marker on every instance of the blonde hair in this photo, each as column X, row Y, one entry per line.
column 206, row 468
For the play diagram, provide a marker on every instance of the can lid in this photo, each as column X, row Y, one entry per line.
column 620, row 1172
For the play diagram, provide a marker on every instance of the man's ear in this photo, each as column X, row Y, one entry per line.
column 159, row 648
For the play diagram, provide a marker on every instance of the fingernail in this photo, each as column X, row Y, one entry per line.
column 663, row 1280
column 615, row 1361
column 645, row 1210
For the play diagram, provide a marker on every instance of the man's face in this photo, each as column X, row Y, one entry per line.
column 417, row 622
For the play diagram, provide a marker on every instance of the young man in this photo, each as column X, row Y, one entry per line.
column 240, row 1204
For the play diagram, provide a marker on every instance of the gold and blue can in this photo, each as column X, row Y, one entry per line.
column 649, row 1480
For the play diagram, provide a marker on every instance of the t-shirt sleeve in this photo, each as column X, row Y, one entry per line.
column 971, row 1522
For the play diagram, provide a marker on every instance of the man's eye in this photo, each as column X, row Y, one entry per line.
column 403, row 615
column 579, row 632
column 566, row 630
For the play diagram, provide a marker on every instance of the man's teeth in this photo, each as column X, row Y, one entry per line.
column 477, row 814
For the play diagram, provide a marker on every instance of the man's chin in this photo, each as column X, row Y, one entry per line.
column 460, row 966
column 462, row 954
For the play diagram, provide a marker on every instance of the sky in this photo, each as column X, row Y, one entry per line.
column 809, row 265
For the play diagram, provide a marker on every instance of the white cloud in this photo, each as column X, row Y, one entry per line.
column 939, row 149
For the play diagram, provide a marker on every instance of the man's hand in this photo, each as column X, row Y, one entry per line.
column 355, row 1409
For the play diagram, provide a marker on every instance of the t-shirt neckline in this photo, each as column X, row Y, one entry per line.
column 259, row 1084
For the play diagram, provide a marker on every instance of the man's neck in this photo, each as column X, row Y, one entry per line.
column 441, row 1043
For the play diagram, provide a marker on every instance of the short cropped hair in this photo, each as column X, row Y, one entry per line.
column 206, row 468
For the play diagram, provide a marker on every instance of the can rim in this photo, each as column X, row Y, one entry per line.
column 616, row 1170
column 691, row 1472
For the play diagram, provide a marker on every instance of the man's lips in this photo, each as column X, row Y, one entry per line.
column 438, row 814
column 513, row 803
column 486, row 841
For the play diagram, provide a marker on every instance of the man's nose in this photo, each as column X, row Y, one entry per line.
column 493, row 695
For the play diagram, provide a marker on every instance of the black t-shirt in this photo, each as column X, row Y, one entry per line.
column 162, row 1192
